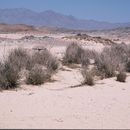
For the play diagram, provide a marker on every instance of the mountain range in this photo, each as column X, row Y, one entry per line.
column 50, row 18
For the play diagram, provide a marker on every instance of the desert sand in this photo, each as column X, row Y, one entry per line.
column 57, row 105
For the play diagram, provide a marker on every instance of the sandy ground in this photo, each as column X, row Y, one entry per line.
column 57, row 105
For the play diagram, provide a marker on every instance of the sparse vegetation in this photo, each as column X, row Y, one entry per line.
column 88, row 77
column 128, row 66
column 39, row 60
column 52, row 64
column 18, row 58
column 107, row 63
column 121, row 77
column 73, row 54
column 120, row 54
column 45, row 58
column 112, row 58
column 87, row 56
column 37, row 75
column 84, row 59
column 10, row 68
column 9, row 76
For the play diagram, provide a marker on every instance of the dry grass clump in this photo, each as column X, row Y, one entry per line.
column 128, row 59
column 37, row 75
column 106, row 63
column 91, row 54
column 39, row 61
column 46, row 59
column 111, row 58
column 9, row 76
column 73, row 54
column 128, row 66
column 21, row 59
column 121, row 77
column 88, row 77
column 85, row 59
column 10, row 68
column 52, row 64
column 120, row 52
column 18, row 58
column 88, row 55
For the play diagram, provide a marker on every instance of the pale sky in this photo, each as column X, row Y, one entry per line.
column 101, row 10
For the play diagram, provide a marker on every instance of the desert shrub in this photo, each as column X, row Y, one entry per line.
column 111, row 58
column 52, row 64
column 85, row 59
column 121, row 77
column 45, row 58
column 128, row 59
column 106, row 63
column 37, row 75
column 88, row 77
column 120, row 51
column 128, row 66
column 91, row 54
column 122, row 54
column 10, row 68
column 73, row 54
column 9, row 76
column 128, row 50
column 18, row 58
column 41, row 57
column 88, row 55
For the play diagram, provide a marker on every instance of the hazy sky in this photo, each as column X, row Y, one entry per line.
column 102, row 10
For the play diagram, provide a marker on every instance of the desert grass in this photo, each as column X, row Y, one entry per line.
column 73, row 54
column 19, row 59
column 37, row 75
column 9, row 76
column 88, row 77
column 121, row 77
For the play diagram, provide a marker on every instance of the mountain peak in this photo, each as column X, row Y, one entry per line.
column 52, row 19
column 49, row 11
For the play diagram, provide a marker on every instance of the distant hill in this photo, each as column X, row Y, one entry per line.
column 5, row 28
column 52, row 19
